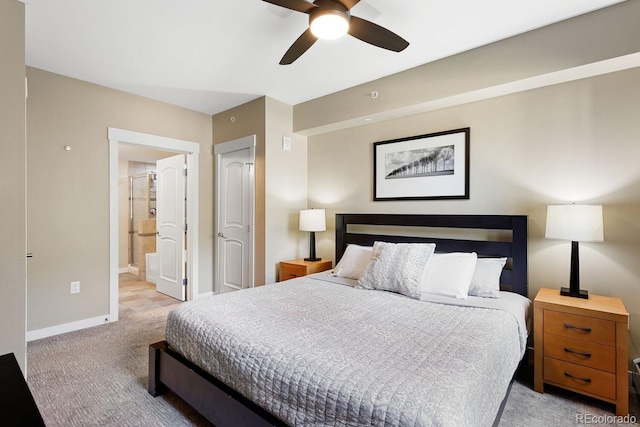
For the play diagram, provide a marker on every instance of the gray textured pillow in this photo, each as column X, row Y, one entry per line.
column 397, row 267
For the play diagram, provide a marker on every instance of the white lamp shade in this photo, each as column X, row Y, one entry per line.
column 578, row 223
column 312, row 220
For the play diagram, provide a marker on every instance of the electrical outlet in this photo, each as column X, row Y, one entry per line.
column 75, row 287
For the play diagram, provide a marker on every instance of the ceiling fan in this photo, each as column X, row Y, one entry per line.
column 331, row 19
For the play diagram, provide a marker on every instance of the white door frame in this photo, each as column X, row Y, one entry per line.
column 192, row 151
column 229, row 147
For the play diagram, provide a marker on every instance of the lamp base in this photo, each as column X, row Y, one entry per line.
column 313, row 259
column 580, row 294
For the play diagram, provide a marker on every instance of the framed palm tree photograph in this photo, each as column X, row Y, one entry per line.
column 423, row 167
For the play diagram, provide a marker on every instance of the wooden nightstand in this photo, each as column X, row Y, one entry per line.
column 299, row 267
column 581, row 345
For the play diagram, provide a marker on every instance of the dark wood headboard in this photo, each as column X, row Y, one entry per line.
column 514, row 277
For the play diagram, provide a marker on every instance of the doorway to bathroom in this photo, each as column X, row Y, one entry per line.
column 139, row 287
column 137, row 201
column 138, row 253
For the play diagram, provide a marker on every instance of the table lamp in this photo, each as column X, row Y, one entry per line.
column 312, row 220
column 577, row 223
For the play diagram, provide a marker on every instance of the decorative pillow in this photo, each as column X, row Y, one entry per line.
column 449, row 274
column 486, row 277
column 397, row 267
column 353, row 262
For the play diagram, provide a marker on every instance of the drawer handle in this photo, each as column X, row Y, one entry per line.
column 587, row 380
column 570, row 326
column 579, row 353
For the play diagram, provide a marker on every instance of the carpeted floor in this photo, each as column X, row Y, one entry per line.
column 557, row 407
column 98, row 377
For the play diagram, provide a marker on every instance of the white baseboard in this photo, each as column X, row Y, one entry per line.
column 67, row 327
column 204, row 294
column 123, row 270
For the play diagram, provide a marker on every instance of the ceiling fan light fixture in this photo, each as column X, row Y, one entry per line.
column 330, row 19
column 329, row 24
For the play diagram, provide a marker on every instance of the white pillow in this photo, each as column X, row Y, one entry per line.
column 353, row 262
column 486, row 277
column 449, row 274
column 397, row 267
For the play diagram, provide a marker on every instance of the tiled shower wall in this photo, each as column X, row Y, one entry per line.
column 143, row 201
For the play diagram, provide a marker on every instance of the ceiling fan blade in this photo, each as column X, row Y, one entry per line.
column 376, row 35
column 349, row 3
column 297, row 5
column 300, row 46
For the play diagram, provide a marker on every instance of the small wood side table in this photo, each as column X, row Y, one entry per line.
column 299, row 268
column 582, row 345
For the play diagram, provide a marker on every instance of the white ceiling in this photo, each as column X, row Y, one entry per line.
column 211, row 55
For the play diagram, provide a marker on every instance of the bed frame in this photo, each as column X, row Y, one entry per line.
column 514, row 277
column 223, row 406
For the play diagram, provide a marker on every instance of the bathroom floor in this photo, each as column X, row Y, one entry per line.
column 136, row 296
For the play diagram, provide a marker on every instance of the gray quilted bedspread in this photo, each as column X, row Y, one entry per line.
column 316, row 353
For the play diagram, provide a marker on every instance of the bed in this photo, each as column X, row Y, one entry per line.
column 321, row 350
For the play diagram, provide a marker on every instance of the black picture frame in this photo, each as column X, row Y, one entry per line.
column 433, row 166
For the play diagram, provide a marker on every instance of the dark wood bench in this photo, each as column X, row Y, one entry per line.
column 17, row 406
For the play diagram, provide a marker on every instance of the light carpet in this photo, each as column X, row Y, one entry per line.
column 98, row 377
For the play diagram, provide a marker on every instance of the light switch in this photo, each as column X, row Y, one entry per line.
column 286, row 143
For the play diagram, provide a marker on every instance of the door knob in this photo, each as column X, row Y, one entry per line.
column 220, row 234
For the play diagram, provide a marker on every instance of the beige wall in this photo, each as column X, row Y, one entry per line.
column 244, row 120
column 281, row 183
column 543, row 130
column 12, row 182
column 571, row 142
column 527, row 60
column 285, row 188
column 68, row 199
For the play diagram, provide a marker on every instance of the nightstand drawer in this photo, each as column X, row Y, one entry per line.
column 580, row 378
column 290, row 271
column 580, row 327
column 300, row 268
column 584, row 353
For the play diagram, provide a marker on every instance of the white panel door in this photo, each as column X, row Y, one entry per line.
column 170, row 226
column 235, row 220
